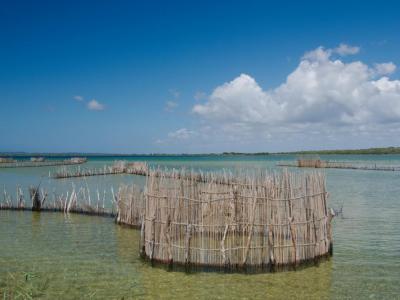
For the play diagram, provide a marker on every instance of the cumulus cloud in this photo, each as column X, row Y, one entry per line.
column 170, row 106
column 95, row 105
column 322, row 54
column 322, row 93
column 242, row 99
column 344, row 50
column 385, row 68
column 78, row 98
column 319, row 54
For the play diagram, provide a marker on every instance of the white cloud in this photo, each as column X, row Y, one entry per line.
column 322, row 54
column 170, row 106
column 385, row 68
column 344, row 50
column 181, row 134
column 319, row 54
column 78, row 98
column 322, row 95
column 95, row 105
column 239, row 100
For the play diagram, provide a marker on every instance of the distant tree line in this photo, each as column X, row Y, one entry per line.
column 387, row 150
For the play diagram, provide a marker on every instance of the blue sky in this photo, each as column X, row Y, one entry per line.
column 205, row 76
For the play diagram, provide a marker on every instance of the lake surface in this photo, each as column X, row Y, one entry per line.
column 52, row 255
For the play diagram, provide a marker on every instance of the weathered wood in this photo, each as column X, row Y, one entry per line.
column 224, row 260
column 245, row 222
column 187, row 243
column 72, row 202
column 142, row 239
column 35, row 197
column 168, row 240
column 293, row 235
column 153, row 237
column 250, row 234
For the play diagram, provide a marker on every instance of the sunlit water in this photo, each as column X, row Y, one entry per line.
column 50, row 255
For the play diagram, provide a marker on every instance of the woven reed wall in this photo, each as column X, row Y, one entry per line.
column 266, row 222
column 130, row 204
column 126, row 204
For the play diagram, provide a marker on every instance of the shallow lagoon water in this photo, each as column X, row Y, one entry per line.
column 82, row 256
column 52, row 255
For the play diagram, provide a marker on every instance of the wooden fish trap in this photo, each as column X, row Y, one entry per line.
column 257, row 223
column 119, row 167
column 325, row 164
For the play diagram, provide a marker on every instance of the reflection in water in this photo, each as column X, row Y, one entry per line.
column 35, row 224
column 75, row 256
column 308, row 283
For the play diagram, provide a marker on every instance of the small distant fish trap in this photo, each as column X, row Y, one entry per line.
column 244, row 223
column 311, row 163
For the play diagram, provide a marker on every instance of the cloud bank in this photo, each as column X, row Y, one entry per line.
column 323, row 92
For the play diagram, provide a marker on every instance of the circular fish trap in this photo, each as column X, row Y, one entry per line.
column 252, row 223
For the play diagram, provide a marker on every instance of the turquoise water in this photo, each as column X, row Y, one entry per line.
column 52, row 256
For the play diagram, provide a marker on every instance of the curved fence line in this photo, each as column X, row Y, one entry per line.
column 272, row 222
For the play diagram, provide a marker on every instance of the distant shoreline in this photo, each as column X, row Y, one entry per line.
column 387, row 150
column 374, row 151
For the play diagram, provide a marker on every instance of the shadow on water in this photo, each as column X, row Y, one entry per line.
column 307, row 283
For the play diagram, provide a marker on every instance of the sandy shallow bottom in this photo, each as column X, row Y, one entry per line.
column 54, row 256
column 51, row 255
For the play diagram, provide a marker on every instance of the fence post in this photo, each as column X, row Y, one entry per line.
column 187, row 243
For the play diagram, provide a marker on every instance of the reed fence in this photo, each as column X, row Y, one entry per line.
column 6, row 160
column 80, row 172
column 119, row 167
column 125, row 205
column 252, row 223
column 41, row 163
column 130, row 206
column 231, row 222
column 318, row 163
